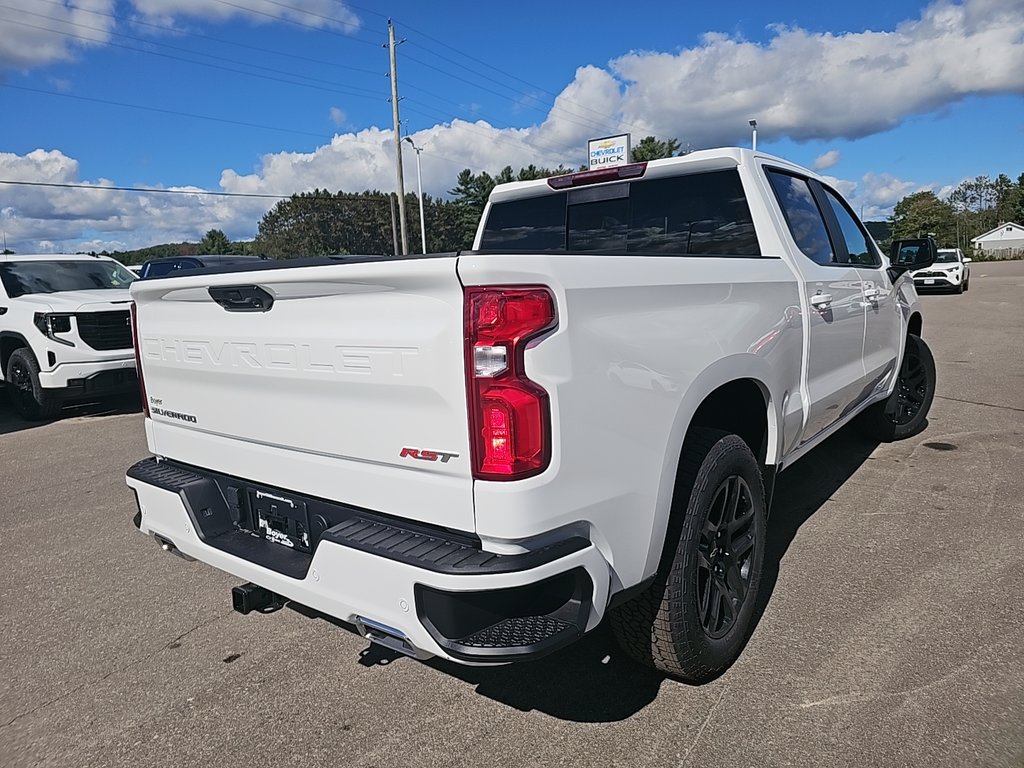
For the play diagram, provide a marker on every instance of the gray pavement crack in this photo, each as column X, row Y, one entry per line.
column 111, row 673
column 704, row 725
column 976, row 402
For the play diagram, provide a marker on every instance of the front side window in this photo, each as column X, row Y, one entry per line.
column 859, row 247
column 803, row 217
column 25, row 277
column 700, row 214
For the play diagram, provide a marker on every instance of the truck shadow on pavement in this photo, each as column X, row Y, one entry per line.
column 11, row 422
column 592, row 680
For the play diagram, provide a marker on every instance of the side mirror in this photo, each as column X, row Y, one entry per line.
column 910, row 255
column 968, row 259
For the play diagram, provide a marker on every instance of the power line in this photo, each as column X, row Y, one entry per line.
column 603, row 115
column 211, row 38
column 174, row 112
column 346, row 92
column 296, row 22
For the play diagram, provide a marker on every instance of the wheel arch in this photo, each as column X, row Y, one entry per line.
column 914, row 323
column 10, row 341
column 733, row 395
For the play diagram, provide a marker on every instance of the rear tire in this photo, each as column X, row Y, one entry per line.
column 694, row 620
column 903, row 413
column 30, row 400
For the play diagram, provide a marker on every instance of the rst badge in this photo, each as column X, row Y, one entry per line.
column 422, row 455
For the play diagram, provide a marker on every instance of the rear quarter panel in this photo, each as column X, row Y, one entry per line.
column 640, row 342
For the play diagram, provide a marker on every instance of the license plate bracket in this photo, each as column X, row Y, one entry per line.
column 280, row 519
column 930, row 281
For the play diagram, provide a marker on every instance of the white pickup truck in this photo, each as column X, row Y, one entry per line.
column 480, row 455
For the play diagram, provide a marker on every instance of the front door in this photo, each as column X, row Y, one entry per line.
column 834, row 305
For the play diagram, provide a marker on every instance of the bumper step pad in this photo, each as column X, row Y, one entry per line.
column 519, row 632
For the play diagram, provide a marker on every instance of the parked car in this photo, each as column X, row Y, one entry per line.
column 482, row 455
column 64, row 330
column 950, row 271
column 168, row 265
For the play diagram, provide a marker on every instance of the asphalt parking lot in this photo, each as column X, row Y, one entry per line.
column 892, row 633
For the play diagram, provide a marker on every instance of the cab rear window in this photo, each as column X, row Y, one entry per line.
column 701, row 214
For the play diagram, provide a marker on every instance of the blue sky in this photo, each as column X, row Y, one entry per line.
column 886, row 98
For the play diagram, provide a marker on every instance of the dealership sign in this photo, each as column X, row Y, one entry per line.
column 608, row 151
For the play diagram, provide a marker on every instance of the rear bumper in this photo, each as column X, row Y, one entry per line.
column 435, row 592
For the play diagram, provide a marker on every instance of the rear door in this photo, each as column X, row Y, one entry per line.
column 834, row 305
column 337, row 386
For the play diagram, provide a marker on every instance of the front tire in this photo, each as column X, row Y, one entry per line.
column 29, row 399
column 694, row 620
column 903, row 413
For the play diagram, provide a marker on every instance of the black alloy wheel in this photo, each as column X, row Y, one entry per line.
column 725, row 551
column 22, row 391
column 29, row 399
column 911, row 389
column 904, row 413
column 695, row 617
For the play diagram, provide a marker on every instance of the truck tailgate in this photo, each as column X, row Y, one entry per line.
column 320, row 394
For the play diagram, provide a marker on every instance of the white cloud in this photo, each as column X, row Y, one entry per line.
column 805, row 85
column 28, row 39
column 875, row 195
column 70, row 219
column 34, row 34
column 337, row 116
column 827, row 160
column 315, row 13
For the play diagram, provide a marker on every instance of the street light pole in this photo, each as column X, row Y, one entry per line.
column 753, row 137
column 419, row 191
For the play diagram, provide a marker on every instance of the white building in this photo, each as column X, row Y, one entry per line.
column 1008, row 235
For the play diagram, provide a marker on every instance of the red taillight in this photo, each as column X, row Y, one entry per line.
column 509, row 415
column 138, row 360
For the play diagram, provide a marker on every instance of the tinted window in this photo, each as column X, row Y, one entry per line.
column 803, row 217
column 530, row 224
column 24, row 277
column 704, row 214
column 161, row 268
column 858, row 243
column 697, row 214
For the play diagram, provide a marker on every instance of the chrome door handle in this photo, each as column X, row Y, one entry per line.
column 821, row 300
column 874, row 294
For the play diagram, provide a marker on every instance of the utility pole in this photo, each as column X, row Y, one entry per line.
column 398, row 138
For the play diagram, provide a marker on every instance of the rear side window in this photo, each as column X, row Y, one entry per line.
column 161, row 268
column 530, row 224
column 803, row 216
column 703, row 214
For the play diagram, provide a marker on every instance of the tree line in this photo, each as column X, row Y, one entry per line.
column 322, row 223
column 973, row 208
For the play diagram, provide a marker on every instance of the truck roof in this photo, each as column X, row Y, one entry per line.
column 701, row 160
column 50, row 257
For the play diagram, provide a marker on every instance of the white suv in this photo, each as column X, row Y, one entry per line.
column 951, row 271
column 65, row 330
